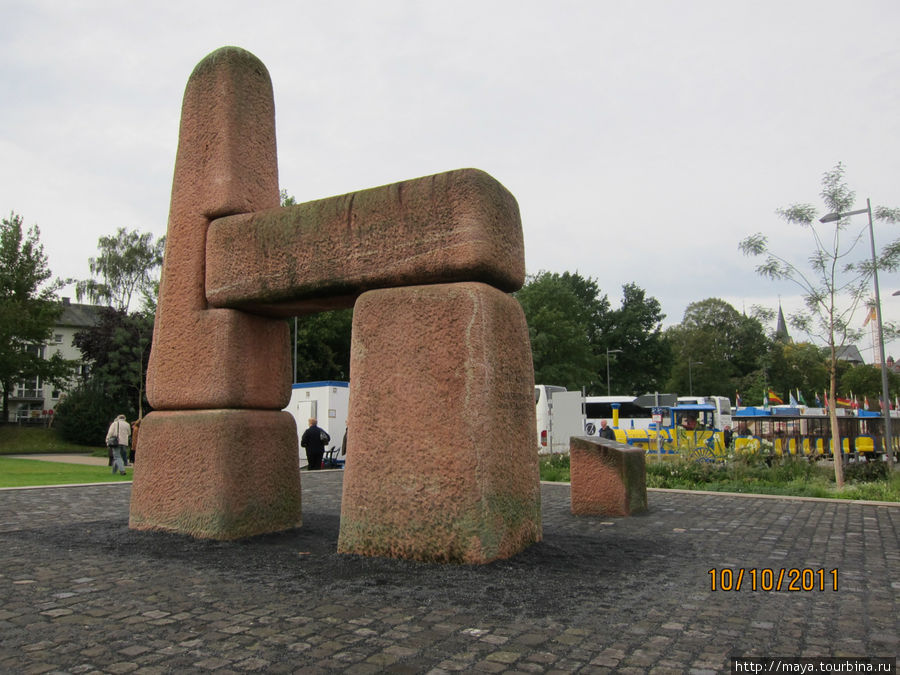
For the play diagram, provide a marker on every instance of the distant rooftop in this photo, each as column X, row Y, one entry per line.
column 850, row 353
column 77, row 315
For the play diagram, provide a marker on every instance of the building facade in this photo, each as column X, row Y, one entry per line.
column 33, row 400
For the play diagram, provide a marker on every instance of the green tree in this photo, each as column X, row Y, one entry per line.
column 118, row 347
column 837, row 280
column 83, row 414
column 797, row 366
column 117, row 350
column 636, row 329
column 125, row 267
column 865, row 381
column 321, row 345
column 563, row 312
column 28, row 310
column 715, row 348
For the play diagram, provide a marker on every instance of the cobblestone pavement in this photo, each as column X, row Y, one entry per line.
column 81, row 593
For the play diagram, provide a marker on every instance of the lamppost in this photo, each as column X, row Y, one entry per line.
column 691, row 375
column 886, row 402
column 608, row 352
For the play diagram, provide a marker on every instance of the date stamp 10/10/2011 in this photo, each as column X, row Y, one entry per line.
column 790, row 579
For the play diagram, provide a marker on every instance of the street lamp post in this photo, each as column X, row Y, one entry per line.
column 886, row 402
column 608, row 352
column 691, row 375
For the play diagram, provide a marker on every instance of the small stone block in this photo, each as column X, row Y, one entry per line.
column 441, row 464
column 217, row 474
column 451, row 227
column 608, row 478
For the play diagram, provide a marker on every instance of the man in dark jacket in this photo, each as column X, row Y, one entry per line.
column 314, row 440
column 606, row 432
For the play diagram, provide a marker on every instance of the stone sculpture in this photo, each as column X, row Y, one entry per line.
column 441, row 462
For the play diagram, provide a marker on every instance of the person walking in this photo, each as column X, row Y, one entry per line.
column 117, row 438
column 314, row 439
column 135, row 428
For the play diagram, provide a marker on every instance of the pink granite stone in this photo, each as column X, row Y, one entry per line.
column 217, row 474
column 226, row 164
column 608, row 478
column 442, row 464
column 456, row 226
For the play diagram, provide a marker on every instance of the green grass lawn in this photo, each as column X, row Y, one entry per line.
column 29, row 472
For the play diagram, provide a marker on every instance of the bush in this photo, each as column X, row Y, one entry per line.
column 84, row 416
column 866, row 472
column 555, row 467
column 684, row 473
column 16, row 440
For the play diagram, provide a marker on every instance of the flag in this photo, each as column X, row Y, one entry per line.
column 818, row 401
column 855, row 402
column 737, row 399
column 825, row 394
column 870, row 316
column 774, row 398
column 765, row 401
column 896, row 402
column 843, row 402
column 792, row 400
column 865, row 402
column 800, row 398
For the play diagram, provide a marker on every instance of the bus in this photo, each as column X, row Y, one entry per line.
column 620, row 412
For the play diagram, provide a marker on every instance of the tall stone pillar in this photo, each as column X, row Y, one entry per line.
column 218, row 458
column 441, row 462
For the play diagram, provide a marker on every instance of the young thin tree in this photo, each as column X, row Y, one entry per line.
column 837, row 282
column 28, row 310
column 124, row 268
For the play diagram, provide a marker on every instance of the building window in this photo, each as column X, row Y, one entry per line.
column 30, row 388
column 37, row 350
column 58, row 338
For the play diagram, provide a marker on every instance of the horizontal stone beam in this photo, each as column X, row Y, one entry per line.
column 456, row 226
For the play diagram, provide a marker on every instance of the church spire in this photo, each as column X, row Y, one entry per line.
column 781, row 331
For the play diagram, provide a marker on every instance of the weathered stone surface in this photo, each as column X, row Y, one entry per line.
column 441, row 464
column 456, row 226
column 226, row 164
column 217, row 474
column 608, row 478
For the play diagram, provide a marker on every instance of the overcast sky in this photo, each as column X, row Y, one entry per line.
column 643, row 140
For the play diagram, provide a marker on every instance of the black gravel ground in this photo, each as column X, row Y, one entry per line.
column 81, row 593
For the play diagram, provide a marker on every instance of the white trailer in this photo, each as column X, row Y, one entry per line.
column 327, row 401
column 559, row 415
